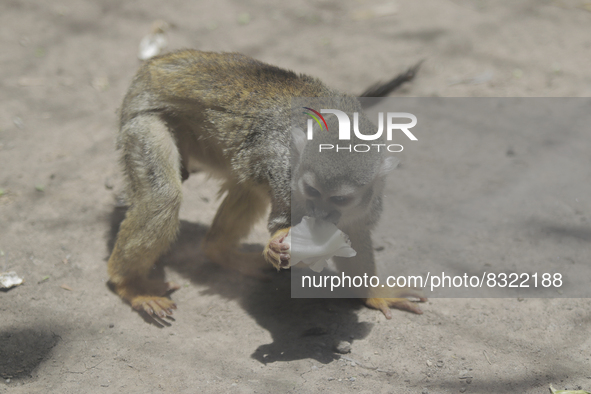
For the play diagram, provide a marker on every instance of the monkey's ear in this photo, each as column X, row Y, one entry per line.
column 298, row 140
column 388, row 165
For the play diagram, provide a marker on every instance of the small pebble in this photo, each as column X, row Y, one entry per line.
column 440, row 363
column 429, row 363
column 330, row 379
column 463, row 389
column 352, row 379
column 111, row 325
column 468, row 380
column 343, row 347
column 425, row 391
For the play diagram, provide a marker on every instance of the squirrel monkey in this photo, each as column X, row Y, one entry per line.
column 227, row 114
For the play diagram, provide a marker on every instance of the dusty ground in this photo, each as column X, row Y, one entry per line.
column 65, row 68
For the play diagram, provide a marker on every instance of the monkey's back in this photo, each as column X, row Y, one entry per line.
column 224, row 82
column 236, row 109
column 228, row 79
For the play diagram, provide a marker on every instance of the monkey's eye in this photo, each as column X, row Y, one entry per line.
column 311, row 192
column 341, row 200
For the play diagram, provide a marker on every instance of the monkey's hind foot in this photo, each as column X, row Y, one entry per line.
column 384, row 305
column 152, row 305
column 382, row 302
column 277, row 251
column 148, row 296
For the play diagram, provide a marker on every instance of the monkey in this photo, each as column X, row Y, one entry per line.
column 229, row 115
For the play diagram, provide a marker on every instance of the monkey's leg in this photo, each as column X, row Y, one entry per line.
column 381, row 298
column 152, row 166
column 277, row 251
column 241, row 208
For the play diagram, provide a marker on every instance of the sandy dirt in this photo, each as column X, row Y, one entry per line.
column 65, row 66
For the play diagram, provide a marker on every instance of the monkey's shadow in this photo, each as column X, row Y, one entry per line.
column 300, row 328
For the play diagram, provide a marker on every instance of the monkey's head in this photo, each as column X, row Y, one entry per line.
column 340, row 181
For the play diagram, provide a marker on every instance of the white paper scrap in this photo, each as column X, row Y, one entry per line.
column 9, row 279
column 314, row 241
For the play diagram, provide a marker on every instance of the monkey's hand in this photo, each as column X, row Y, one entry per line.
column 277, row 251
column 385, row 298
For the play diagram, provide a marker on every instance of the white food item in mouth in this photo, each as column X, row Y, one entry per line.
column 314, row 241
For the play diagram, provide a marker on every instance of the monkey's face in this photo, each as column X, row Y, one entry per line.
column 331, row 180
column 336, row 201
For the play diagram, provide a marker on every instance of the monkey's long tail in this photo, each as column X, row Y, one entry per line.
column 383, row 89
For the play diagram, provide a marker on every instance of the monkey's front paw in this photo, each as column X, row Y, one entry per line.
column 277, row 251
column 159, row 306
